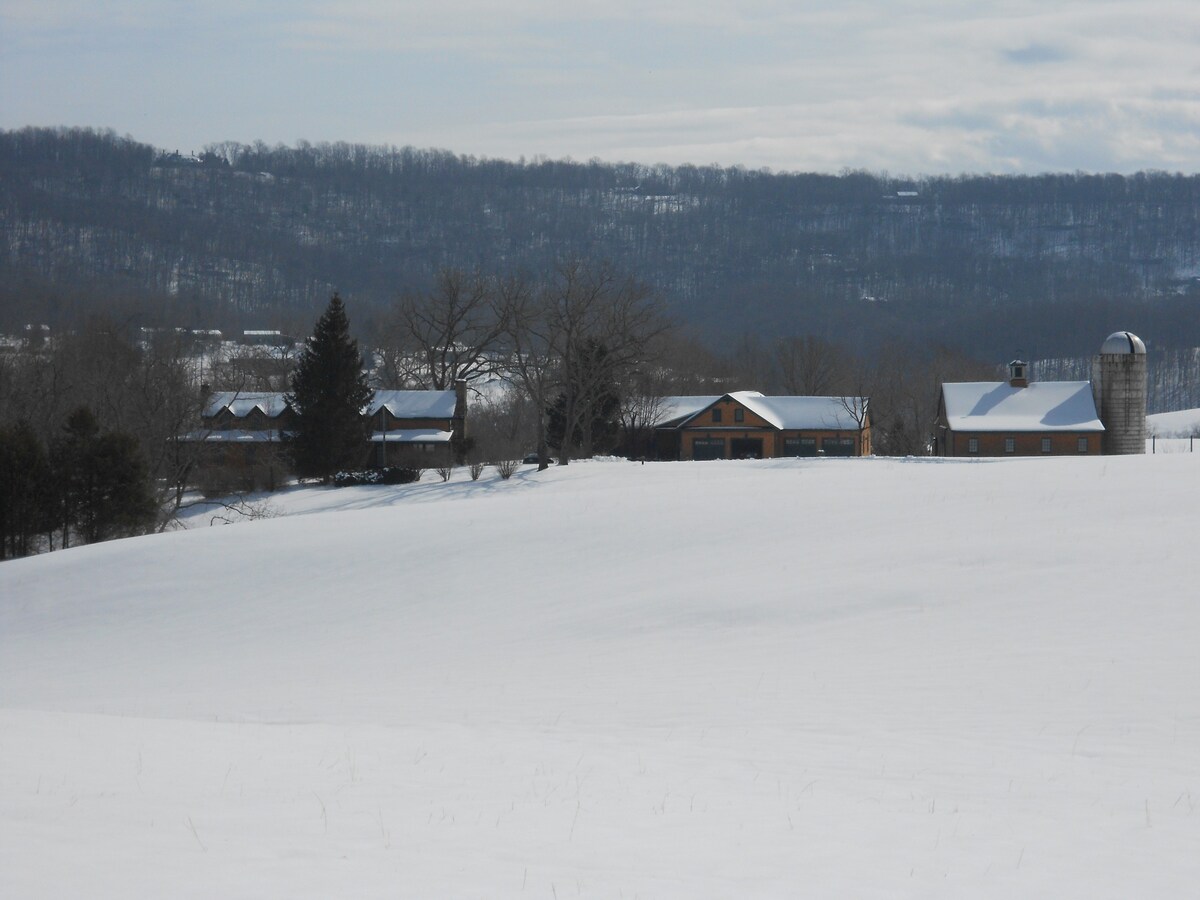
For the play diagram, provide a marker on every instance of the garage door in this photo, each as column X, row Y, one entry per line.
column 708, row 448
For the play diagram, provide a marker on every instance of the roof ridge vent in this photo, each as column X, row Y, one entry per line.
column 1018, row 373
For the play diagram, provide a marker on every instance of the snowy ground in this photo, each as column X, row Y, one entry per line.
column 826, row 678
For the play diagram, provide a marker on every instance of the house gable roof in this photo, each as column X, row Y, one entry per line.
column 243, row 403
column 1042, row 406
column 401, row 404
column 673, row 411
column 808, row 413
column 414, row 404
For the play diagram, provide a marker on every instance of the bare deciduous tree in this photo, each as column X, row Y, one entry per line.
column 599, row 325
column 531, row 355
column 807, row 365
column 447, row 333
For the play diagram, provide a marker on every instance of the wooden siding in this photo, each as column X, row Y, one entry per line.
column 391, row 423
column 722, row 414
column 255, row 420
column 417, row 455
column 992, row 443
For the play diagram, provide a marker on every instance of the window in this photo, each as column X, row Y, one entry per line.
column 739, row 415
column 1081, row 445
column 1045, row 445
column 972, row 445
column 717, row 415
column 1010, row 445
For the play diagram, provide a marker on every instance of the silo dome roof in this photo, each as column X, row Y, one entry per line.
column 1123, row 342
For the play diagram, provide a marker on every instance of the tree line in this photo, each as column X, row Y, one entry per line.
column 85, row 485
column 568, row 362
column 586, row 355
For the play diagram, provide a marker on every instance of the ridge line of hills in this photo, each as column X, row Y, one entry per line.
column 243, row 235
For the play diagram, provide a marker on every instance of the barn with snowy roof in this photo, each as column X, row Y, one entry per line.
column 749, row 425
column 1049, row 418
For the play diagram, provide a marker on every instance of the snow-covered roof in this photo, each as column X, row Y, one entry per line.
column 785, row 413
column 412, row 436
column 1042, row 406
column 243, row 403
column 401, row 404
column 672, row 409
column 808, row 413
column 234, row 436
column 414, row 404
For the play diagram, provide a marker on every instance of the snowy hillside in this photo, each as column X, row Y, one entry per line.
column 1174, row 424
column 826, row 678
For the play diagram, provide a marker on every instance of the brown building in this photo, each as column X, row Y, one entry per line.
column 417, row 428
column 1016, row 418
column 242, row 439
column 240, row 444
column 748, row 425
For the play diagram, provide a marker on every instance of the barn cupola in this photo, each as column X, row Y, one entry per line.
column 1018, row 373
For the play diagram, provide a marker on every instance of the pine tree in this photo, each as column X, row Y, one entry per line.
column 329, row 396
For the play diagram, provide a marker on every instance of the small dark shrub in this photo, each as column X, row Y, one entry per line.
column 401, row 475
column 506, row 467
column 476, row 469
column 388, row 475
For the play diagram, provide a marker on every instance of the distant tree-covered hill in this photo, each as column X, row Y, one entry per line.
column 244, row 235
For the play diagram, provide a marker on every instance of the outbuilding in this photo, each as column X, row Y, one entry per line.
column 1017, row 418
column 749, row 425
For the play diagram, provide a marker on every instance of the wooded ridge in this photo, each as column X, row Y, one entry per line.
column 247, row 235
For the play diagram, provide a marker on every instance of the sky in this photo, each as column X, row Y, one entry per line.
column 909, row 87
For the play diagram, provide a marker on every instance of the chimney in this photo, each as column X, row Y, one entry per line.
column 460, row 408
column 460, row 398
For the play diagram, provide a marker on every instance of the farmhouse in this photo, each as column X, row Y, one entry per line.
column 241, row 439
column 749, row 425
column 243, row 435
column 1051, row 418
column 417, row 427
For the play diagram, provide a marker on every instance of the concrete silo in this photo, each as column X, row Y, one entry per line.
column 1120, row 387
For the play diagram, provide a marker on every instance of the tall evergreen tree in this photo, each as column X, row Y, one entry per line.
column 329, row 395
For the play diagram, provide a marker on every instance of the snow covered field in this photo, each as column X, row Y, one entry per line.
column 825, row 678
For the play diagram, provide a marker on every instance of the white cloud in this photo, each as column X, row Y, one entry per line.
column 911, row 85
